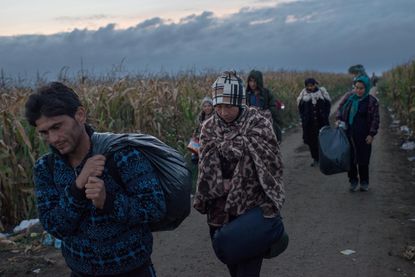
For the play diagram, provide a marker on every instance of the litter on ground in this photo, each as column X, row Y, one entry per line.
column 347, row 252
column 409, row 145
column 25, row 224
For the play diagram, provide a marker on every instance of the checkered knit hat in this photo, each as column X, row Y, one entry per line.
column 228, row 89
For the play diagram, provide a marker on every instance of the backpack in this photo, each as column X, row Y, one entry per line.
column 169, row 165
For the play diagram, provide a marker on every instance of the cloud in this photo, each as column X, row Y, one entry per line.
column 83, row 18
column 262, row 21
column 292, row 18
column 324, row 35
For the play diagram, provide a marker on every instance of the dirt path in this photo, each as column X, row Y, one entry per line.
column 321, row 216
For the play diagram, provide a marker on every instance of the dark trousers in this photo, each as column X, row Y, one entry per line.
column 310, row 137
column 146, row 270
column 248, row 268
column 357, row 172
column 314, row 150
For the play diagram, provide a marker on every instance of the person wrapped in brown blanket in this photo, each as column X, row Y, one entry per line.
column 240, row 166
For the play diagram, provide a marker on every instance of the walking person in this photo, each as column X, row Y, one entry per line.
column 314, row 107
column 374, row 79
column 261, row 98
column 360, row 112
column 104, row 227
column 240, row 178
column 205, row 114
column 357, row 71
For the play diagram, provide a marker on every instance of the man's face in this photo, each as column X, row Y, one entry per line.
column 62, row 132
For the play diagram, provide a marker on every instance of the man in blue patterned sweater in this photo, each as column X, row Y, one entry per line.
column 104, row 225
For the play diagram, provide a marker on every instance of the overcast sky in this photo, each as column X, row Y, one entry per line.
column 154, row 36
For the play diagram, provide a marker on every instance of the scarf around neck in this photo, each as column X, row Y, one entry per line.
column 355, row 99
column 306, row 95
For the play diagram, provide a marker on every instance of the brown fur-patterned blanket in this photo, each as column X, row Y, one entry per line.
column 250, row 149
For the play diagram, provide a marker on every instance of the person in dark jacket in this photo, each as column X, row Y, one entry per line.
column 360, row 113
column 262, row 99
column 374, row 79
column 314, row 107
column 103, row 225
column 357, row 71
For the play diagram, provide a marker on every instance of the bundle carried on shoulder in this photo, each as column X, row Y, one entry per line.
column 334, row 150
column 169, row 165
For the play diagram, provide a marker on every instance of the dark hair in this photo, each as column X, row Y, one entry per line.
column 51, row 100
column 257, row 76
column 311, row 81
column 357, row 69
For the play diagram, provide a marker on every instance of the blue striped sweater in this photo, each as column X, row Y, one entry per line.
column 113, row 240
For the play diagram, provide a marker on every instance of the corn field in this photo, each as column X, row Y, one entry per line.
column 397, row 88
column 165, row 107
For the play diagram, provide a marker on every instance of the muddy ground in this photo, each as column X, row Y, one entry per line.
column 321, row 217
